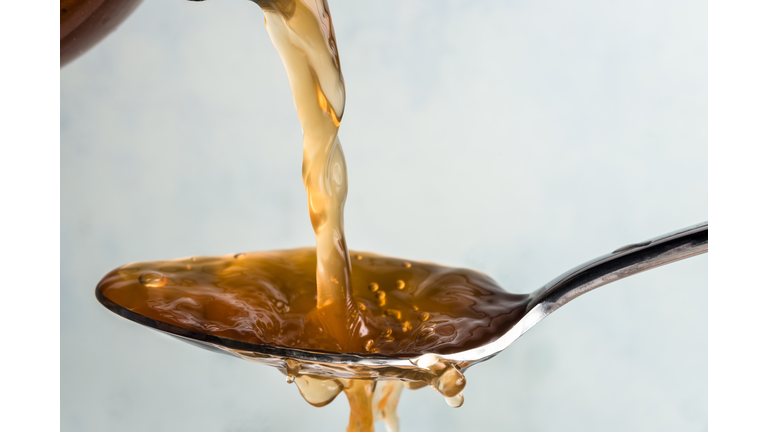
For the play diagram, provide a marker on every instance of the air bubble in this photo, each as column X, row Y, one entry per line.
column 373, row 286
column 358, row 257
column 394, row 313
column 424, row 316
column 407, row 265
column 152, row 280
column 368, row 345
column 361, row 306
column 400, row 284
column 382, row 298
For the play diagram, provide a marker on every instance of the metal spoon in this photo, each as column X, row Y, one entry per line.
column 622, row 262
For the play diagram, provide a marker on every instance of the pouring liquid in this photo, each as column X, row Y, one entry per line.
column 323, row 298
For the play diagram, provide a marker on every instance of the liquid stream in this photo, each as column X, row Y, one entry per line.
column 319, row 298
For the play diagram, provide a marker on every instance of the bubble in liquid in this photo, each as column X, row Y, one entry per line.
column 152, row 280
column 359, row 257
column 373, row 286
column 361, row 306
column 387, row 332
column 455, row 401
column 368, row 345
column 407, row 265
column 400, row 284
column 424, row 316
column 281, row 306
column 382, row 298
column 394, row 313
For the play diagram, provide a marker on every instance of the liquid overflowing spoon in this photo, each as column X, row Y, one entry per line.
column 621, row 263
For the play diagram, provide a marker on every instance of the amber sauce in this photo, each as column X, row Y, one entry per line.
column 409, row 308
column 324, row 298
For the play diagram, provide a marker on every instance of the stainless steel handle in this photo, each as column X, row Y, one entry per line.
column 623, row 262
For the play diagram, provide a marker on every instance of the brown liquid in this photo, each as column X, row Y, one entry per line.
column 319, row 299
column 410, row 308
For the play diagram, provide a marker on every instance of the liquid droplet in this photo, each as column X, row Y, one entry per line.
column 368, row 345
column 373, row 286
column 359, row 257
column 292, row 368
column 152, row 279
column 290, row 379
column 455, row 401
column 400, row 284
column 317, row 391
column 451, row 382
column 407, row 265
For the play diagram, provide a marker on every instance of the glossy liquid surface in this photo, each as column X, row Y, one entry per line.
column 320, row 299
column 411, row 308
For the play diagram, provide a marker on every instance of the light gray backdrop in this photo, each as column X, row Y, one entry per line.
column 519, row 138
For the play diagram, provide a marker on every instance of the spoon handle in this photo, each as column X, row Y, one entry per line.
column 623, row 262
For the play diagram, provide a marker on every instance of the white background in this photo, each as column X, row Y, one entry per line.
column 517, row 138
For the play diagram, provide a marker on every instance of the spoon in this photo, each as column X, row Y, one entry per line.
column 621, row 263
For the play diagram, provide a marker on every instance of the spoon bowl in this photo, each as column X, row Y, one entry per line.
column 621, row 263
